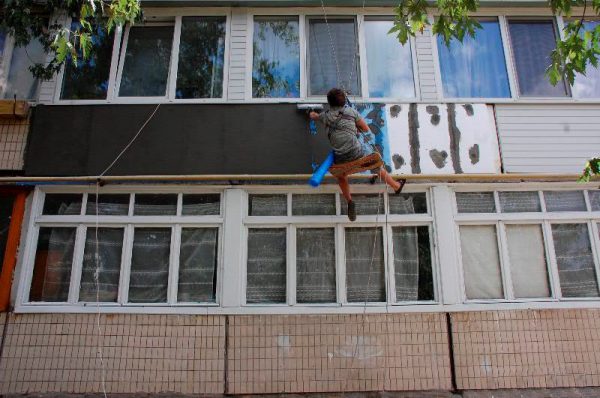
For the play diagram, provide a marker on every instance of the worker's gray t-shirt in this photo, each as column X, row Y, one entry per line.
column 340, row 123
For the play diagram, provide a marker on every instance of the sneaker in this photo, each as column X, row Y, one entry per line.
column 351, row 211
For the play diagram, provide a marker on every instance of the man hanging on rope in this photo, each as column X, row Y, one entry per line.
column 343, row 124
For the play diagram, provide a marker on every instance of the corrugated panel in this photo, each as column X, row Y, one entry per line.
column 237, row 55
column 426, row 68
column 548, row 138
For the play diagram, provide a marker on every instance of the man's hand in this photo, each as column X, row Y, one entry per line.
column 314, row 115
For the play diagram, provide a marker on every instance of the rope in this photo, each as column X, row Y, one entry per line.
column 99, row 329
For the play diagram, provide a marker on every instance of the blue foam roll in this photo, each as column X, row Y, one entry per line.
column 318, row 175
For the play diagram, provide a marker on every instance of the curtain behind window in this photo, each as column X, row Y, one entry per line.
column 315, row 265
column 323, row 66
column 150, row 265
column 575, row 260
column 110, row 247
column 532, row 43
column 476, row 67
column 481, row 264
column 365, row 269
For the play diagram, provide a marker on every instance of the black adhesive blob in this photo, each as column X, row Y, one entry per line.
column 398, row 161
column 439, row 158
column 469, row 109
column 432, row 109
column 435, row 119
column 474, row 154
column 395, row 111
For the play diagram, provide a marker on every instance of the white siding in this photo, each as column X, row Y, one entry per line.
column 237, row 54
column 426, row 66
column 548, row 138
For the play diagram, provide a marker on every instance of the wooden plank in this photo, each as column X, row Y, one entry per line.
column 10, row 253
column 14, row 109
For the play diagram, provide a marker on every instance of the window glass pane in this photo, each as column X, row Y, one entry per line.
column 575, row 260
column 594, row 200
column 266, row 268
column 313, row 205
column 475, row 202
column 389, row 62
column 198, row 265
column 527, row 261
column 146, row 63
column 267, row 205
column 109, row 204
column 564, row 201
column 150, row 265
column 365, row 269
column 408, row 203
column 201, row 205
column 89, row 79
column 109, row 249
column 276, row 64
column 517, row 202
column 366, row 204
column 2, row 42
column 481, row 264
column 20, row 81
column 53, row 263
column 588, row 85
column 412, row 263
column 315, row 265
column 532, row 42
column 62, row 204
column 155, row 205
column 475, row 68
column 328, row 70
column 201, row 58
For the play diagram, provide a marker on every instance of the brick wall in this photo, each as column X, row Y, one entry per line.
column 525, row 349
column 13, row 139
column 300, row 353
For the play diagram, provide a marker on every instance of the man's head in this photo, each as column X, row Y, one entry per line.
column 336, row 97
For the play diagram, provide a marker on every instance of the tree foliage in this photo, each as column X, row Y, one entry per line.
column 28, row 20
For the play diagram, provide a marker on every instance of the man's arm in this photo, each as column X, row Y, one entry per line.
column 362, row 126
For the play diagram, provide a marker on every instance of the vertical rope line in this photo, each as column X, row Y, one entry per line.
column 333, row 51
column 99, row 328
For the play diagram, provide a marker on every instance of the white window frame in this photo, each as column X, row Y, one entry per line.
column 339, row 223
column 120, row 47
column 545, row 220
column 128, row 223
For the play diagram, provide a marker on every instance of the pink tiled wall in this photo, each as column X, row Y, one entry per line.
column 325, row 353
column 300, row 353
column 524, row 349
column 142, row 353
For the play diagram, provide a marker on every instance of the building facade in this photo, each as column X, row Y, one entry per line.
column 170, row 241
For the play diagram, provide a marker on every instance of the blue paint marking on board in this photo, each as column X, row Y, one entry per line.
column 375, row 116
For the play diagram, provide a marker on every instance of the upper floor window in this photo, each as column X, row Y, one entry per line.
column 532, row 42
column 89, row 79
column 15, row 78
column 333, row 59
column 475, row 67
column 389, row 63
column 201, row 58
column 588, row 85
column 276, row 58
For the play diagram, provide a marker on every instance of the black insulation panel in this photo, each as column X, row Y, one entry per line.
column 205, row 139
